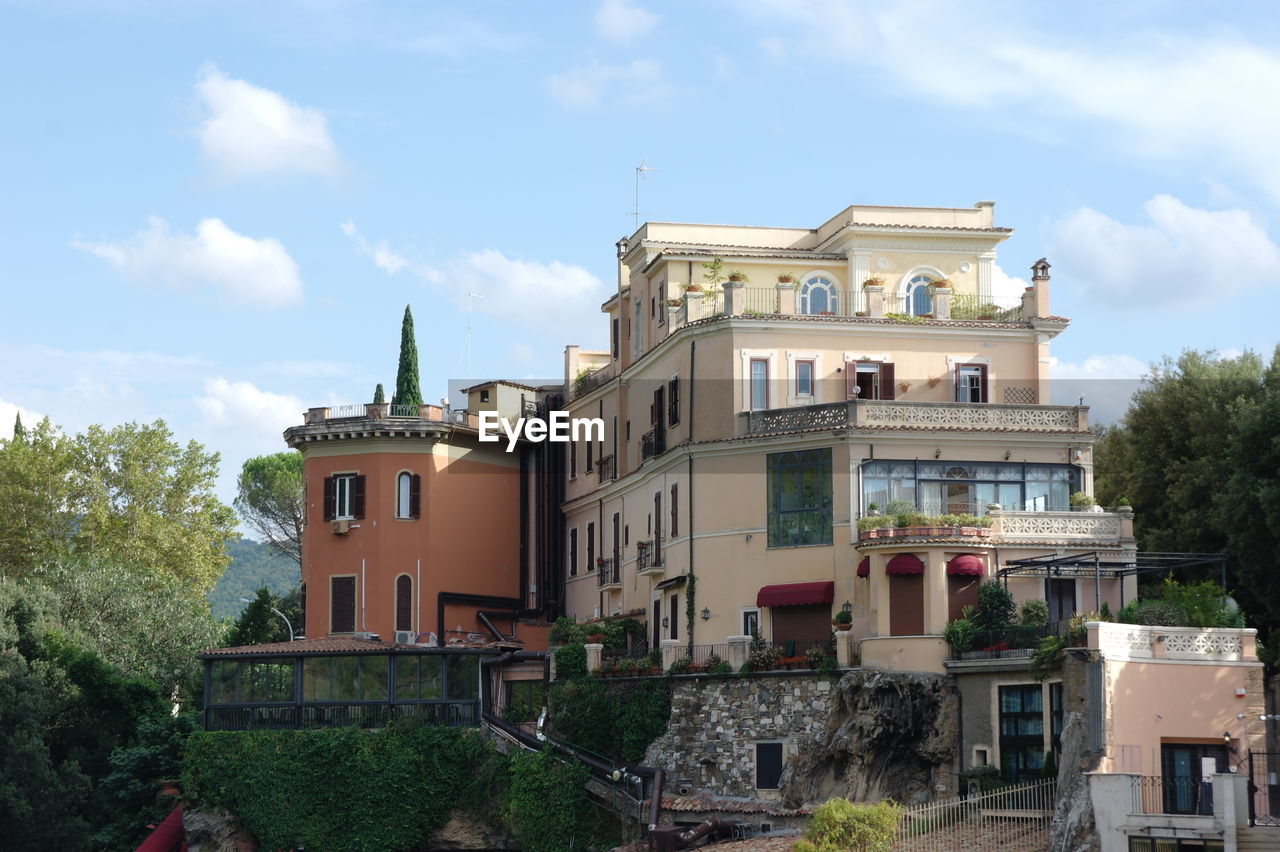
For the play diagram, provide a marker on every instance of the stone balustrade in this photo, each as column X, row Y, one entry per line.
column 893, row 414
column 1145, row 643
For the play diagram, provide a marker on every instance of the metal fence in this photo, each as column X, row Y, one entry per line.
column 1014, row 640
column 701, row 653
column 1011, row 819
column 760, row 300
column 335, row 715
column 1155, row 794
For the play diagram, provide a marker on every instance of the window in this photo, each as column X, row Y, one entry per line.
column 484, row 396
column 351, row 678
column 804, row 378
column 408, row 495
column 799, row 486
column 750, row 622
column 404, row 602
column 919, row 297
column 768, row 765
column 657, row 529
column 617, row 543
column 675, row 616
column 673, row 401
column 818, row 295
column 343, row 497
column 1021, row 732
column 759, row 384
column 1183, row 767
column 342, row 604
column 971, row 383
column 573, row 552
column 591, row 547
column 613, row 338
column 969, row 487
column 675, row 511
column 573, row 459
column 418, row 677
column 590, row 448
column 868, row 380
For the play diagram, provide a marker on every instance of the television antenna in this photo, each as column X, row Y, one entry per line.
column 640, row 173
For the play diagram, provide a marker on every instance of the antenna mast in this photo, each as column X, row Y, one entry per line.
column 640, row 172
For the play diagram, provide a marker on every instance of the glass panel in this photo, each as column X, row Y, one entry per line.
column 759, row 385
column 223, row 688
column 317, row 679
column 373, row 678
column 462, row 677
column 1010, row 496
column 344, row 683
column 818, row 299
column 402, row 503
column 804, row 378
column 1010, row 471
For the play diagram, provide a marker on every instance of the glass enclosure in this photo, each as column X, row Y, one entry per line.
column 967, row 488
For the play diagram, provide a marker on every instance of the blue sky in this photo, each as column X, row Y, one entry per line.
column 215, row 212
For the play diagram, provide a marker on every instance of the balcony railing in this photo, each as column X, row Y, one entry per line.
column 894, row 414
column 1155, row 794
column 607, row 573
column 607, row 468
column 1150, row 643
column 653, row 443
column 587, row 382
column 1015, row 640
column 1059, row 526
column 370, row 714
column 646, row 555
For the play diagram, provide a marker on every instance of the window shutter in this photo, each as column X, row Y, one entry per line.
column 675, row 511
column 415, row 497
column 959, row 397
column 982, row 388
column 404, row 603
column 342, row 605
column 357, row 496
column 330, row 498
column 673, row 404
column 850, row 379
column 887, row 387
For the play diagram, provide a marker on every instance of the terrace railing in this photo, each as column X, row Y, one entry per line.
column 607, row 573
column 360, row 714
column 1012, row 818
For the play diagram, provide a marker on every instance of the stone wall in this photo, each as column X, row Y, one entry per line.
column 869, row 735
column 715, row 723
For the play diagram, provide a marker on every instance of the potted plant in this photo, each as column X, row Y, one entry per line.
column 738, row 277
column 941, row 284
column 693, row 288
column 873, row 282
column 675, row 303
column 843, row 620
column 714, row 274
column 786, row 278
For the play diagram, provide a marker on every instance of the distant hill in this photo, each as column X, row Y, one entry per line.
column 253, row 565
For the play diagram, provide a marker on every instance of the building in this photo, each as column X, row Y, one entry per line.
column 769, row 390
column 420, row 533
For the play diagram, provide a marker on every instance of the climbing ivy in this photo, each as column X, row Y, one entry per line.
column 547, row 806
column 690, row 607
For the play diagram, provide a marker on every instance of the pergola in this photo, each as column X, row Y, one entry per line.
column 1097, row 565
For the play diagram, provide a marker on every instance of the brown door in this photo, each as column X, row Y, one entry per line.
column 906, row 604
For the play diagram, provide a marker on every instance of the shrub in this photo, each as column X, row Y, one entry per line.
column 717, row 666
column 995, row 606
column 571, row 662
column 961, row 634
column 841, row 826
column 814, row 655
column 547, row 804
column 1035, row 612
column 566, row 631
column 844, row 617
column 1080, row 500
column 681, row 665
column 829, row 665
column 986, row 777
column 763, row 658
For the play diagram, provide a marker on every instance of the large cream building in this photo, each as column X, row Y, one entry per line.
column 750, row 424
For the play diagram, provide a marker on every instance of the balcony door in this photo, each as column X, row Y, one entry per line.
column 1061, row 595
column 1185, row 770
column 759, row 384
column 868, row 380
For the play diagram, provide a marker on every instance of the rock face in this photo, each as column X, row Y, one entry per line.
column 888, row 735
column 868, row 736
column 465, row 831
column 214, row 831
column 1073, row 828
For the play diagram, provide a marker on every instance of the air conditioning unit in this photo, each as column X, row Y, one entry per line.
column 340, row 527
column 365, row 634
column 405, row 637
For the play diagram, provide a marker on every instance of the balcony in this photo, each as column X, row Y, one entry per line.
column 1142, row 643
column 387, row 411
column 607, row 469
column 1039, row 528
column 653, row 443
column 607, row 573
column 647, row 557
column 919, row 416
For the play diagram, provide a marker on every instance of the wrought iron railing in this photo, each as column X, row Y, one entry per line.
column 607, row 573
column 653, row 443
column 400, row 409
column 1155, row 794
column 760, row 300
column 587, row 382
column 645, row 555
column 701, row 653
column 339, row 412
column 371, row 714
column 1014, row 640
column 607, row 468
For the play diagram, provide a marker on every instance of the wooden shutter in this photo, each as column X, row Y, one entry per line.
column 673, row 402
column 415, row 498
column 404, row 603
column 850, row 379
column 675, row 511
column 342, row 604
column 675, row 621
column 982, row 387
column 330, row 498
column 591, row 547
column 357, row 496
column 657, row 528
column 887, row 388
column 573, row 552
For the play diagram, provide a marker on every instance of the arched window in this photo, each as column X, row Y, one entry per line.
column 404, row 602
column 818, row 295
column 919, row 299
column 408, row 495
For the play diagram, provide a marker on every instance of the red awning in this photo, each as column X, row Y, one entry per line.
column 864, row 567
column 966, row 563
column 904, row 563
column 796, row 594
column 167, row 836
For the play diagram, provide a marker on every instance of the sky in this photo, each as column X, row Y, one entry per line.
column 215, row 212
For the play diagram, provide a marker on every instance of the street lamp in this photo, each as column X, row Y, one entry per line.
column 277, row 612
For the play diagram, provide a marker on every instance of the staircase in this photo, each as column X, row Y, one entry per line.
column 1258, row 839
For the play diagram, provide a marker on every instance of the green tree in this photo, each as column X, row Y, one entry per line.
column 254, row 564
column 379, row 395
column 408, row 388
column 271, row 500
column 144, row 501
column 19, row 431
column 38, row 493
column 257, row 624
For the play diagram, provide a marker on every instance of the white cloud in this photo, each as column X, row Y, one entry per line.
column 1152, row 93
column 241, row 269
column 1104, row 382
column 251, row 130
column 585, row 87
column 243, row 406
column 1185, row 257
column 556, row 299
column 1006, row 289
column 622, row 20
column 1100, row 367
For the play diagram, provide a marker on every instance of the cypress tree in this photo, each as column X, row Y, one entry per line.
column 378, row 395
column 408, row 389
column 19, row 431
